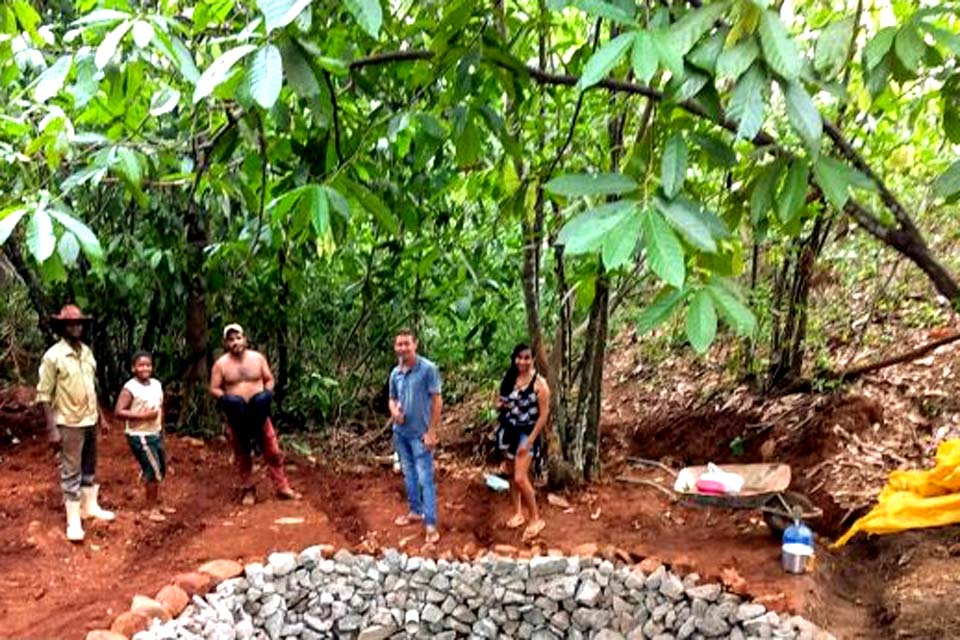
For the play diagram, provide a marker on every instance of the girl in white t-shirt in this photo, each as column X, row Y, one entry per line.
column 140, row 405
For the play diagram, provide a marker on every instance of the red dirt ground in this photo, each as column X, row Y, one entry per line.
column 50, row 588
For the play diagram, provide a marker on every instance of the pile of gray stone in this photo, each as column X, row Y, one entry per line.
column 310, row 596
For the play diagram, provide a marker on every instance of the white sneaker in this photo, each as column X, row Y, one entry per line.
column 74, row 527
column 89, row 507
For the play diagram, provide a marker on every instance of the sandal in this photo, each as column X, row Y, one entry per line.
column 516, row 521
column 288, row 494
column 534, row 529
column 248, row 497
column 433, row 536
column 407, row 519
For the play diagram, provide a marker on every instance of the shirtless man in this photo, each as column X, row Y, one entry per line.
column 242, row 383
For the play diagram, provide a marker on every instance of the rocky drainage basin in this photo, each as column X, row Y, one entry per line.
column 320, row 594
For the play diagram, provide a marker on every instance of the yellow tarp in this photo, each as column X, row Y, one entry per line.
column 916, row 499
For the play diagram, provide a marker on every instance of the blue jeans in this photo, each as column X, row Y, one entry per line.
column 417, row 463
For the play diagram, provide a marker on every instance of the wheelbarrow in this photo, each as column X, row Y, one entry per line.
column 765, row 489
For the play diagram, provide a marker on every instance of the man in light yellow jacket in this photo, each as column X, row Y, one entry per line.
column 67, row 392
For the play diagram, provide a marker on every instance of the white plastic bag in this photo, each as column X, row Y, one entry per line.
column 730, row 482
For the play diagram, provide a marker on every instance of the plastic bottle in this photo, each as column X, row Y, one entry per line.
column 797, row 549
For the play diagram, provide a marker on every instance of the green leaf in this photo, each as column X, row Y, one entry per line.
column 319, row 208
column 338, row 202
column 718, row 151
column 128, row 165
column 173, row 49
column 701, row 321
column 804, row 116
column 300, row 74
column 27, row 16
column 951, row 121
column 575, row 185
column 372, row 204
column 469, row 143
column 68, row 248
column 733, row 62
column 663, row 249
column 945, row 186
column 88, row 240
column 644, row 57
column 909, row 47
column 704, row 56
column 659, row 310
column 217, row 72
column 747, row 102
column 281, row 205
column 832, row 177
column 746, row 22
column 51, row 81
column 368, row 15
column 733, row 310
column 833, row 46
column 688, row 30
column 778, row 48
column 265, row 75
column 280, row 13
column 764, row 189
column 586, row 232
column 108, row 47
column 668, row 53
column 622, row 13
column 9, row 218
column 878, row 47
column 92, row 175
column 604, row 60
column 164, row 100
column 793, row 195
column 673, row 170
column 689, row 220
column 619, row 245
column 100, row 16
column 40, row 239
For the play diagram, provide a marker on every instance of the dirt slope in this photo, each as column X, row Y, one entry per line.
column 50, row 588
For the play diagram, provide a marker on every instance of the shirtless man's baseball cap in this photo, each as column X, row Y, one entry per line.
column 233, row 326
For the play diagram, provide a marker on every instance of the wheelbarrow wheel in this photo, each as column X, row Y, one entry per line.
column 777, row 519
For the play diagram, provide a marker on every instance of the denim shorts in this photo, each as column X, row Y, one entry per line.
column 149, row 452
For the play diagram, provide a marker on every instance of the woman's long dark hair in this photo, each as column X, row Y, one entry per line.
column 510, row 379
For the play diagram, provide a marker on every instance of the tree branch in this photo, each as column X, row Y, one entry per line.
column 336, row 114
column 907, row 238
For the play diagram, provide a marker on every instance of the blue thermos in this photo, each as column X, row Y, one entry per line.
column 797, row 549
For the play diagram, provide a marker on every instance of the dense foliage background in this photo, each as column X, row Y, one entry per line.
column 325, row 172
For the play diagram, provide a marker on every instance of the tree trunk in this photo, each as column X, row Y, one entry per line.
column 283, row 333
column 198, row 412
column 34, row 289
column 598, row 350
column 788, row 345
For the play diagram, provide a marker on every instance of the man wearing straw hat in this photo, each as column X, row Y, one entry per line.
column 67, row 392
column 242, row 382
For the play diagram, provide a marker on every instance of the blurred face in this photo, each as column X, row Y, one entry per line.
column 73, row 330
column 143, row 368
column 405, row 347
column 524, row 361
column 235, row 343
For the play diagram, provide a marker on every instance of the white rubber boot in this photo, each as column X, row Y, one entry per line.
column 89, row 507
column 74, row 527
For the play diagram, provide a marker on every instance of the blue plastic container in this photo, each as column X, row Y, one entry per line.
column 798, row 533
column 797, row 549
